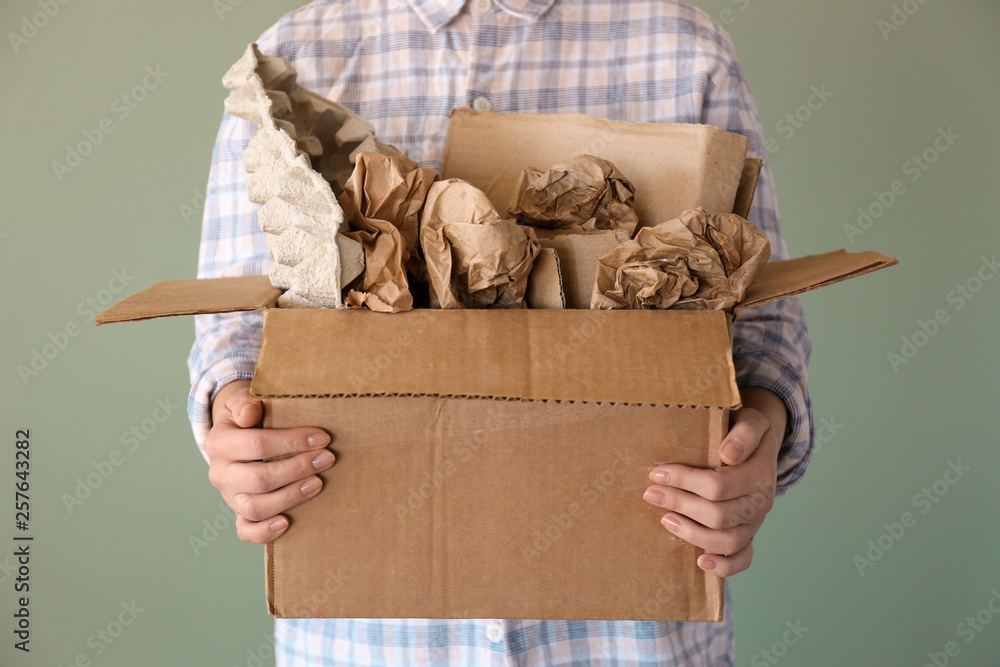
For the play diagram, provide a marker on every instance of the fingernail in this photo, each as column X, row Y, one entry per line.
column 707, row 563
column 317, row 440
column 660, row 476
column 310, row 486
column 323, row 460
column 279, row 524
column 672, row 524
column 654, row 496
column 732, row 450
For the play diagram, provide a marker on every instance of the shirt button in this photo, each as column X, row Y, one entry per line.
column 482, row 6
column 494, row 632
column 481, row 104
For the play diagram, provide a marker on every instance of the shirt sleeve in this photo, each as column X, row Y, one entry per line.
column 226, row 345
column 771, row 345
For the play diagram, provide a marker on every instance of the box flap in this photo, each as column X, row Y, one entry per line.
column 193, row 297
column 674, row 166
column 639, row 357
column 803, row 274
column 748, row 185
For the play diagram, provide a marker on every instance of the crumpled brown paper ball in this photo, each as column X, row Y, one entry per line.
column 696, row 261
column 474, row 258
column 584, row 190
column 382, row 202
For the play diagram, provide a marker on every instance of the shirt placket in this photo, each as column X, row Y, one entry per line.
column 482, row 55
column 496, row 632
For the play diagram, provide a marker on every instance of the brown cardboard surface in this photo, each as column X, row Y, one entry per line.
column 778, row 280
column 673, row 167
column 472, row 508
column 748, row 185
column 642, row 357
column 545, row 283
column 578, row 255
column 193, row 297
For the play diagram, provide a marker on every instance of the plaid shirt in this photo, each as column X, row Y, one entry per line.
column 404, row 67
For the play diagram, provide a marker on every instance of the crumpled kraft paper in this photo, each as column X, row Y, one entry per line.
column 585, row 190
column 474, row 258
column 382, row 202
column 697, row 261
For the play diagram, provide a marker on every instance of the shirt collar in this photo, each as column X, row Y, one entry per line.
column 438, row 13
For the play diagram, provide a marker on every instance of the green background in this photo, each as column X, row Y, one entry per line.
column 890, row 432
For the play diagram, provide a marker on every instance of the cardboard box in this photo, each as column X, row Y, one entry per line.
column 491, row 464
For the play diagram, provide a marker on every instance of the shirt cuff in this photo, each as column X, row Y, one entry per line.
column 233, row 357
column 782, row 378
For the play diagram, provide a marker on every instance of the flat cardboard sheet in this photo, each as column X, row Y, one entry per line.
column 472, row 508
column 778, row 280
column 578, row 255
column 673, row 166
column 748, row 186
column 642, row 357
column 193, row 297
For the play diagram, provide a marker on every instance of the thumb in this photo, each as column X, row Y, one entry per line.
column 246, row 411
column 745, row 433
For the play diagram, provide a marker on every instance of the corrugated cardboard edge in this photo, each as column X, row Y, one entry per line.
column 748, row 185
column 270, row 595
column 193, row 297
column 778, row 280
column 715, row 586
column 578, row 255
column 545, row 282
column 269, row 578
column 407, row 349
